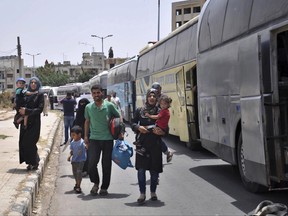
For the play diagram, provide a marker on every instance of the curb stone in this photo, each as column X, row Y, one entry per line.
column 23, row 204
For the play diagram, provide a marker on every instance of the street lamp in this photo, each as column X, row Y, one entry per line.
column 33, row 55
column 158, row 33
column 102, row 38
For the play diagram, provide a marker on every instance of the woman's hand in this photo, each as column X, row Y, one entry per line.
column 143, row 130
column 158, row 131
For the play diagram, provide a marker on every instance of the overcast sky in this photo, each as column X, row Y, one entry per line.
column 59, row 29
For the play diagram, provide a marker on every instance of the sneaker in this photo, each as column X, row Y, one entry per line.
column 103, row 192
column 141, row 199
column 154, row 196
column 94, row 189
column 169, row 156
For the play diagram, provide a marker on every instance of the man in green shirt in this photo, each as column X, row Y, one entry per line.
column 99, row 139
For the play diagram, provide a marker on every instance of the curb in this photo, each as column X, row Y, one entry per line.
column 23, row 205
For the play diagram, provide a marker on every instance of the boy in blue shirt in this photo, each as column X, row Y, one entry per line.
column 77, row 156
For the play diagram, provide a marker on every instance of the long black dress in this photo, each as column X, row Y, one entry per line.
column 151, row 141
column 29, row 137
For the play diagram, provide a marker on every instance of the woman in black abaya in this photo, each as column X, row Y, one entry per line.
column 29, row 136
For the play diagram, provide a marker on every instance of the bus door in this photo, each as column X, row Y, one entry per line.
column 182, row 109
column 192, row 105
column 252, row 150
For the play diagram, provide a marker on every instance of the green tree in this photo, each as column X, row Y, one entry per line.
column 85, row 76
column 50, row 76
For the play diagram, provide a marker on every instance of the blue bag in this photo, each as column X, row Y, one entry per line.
column 121, row 153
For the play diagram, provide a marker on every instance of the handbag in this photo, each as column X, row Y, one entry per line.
column 121, row 154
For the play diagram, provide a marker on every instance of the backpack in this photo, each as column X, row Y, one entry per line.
column 116, row 127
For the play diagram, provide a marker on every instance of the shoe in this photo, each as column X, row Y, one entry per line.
column 169, row 156
column 29, row 167
column 141, row 199
column 63, row 144
column 103, row 192
column 154, row 196
column 35, row 167
column 75, row 187
column 94, row 190
column 16, row 125
column 78, row 190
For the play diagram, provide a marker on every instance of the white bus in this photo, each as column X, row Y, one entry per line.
column 52, row 95
column 100, row 79
column 74, row 88
column 242, row 80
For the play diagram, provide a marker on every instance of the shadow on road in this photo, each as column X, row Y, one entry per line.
column 226, row 179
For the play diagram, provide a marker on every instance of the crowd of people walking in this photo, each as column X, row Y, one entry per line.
column 90, row 138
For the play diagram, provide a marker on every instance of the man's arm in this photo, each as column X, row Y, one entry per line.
column 86, row 131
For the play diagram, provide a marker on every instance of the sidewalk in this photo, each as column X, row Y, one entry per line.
column 18, row 187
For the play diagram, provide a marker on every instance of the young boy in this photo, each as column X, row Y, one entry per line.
column 20, row 101
column 77, row 156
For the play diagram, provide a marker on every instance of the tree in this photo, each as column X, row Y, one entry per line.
column 50, row 77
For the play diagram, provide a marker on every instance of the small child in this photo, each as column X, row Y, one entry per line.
column 78, row 155
column 20, row 101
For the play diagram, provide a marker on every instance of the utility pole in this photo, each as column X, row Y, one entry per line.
column 158, row 33
column 19, row 57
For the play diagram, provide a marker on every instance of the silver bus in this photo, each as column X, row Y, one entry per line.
column 242, row 86
column 121, row 79
column 100, row 79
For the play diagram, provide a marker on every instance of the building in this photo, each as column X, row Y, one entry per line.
column 91, row 63
column 9, row 72
column 184, row 11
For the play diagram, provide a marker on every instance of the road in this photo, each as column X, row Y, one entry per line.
column 194, row 183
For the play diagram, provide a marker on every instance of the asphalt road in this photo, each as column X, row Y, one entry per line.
column 194, row 183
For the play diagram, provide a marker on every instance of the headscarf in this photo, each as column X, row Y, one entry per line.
column 148, row 108
column 80, row 119
column 39, row 84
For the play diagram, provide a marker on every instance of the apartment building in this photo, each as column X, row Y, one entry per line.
column 183, row 11
column 9, row 72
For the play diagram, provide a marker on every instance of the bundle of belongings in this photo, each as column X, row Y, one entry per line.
column 121, row 154
column 268, row 208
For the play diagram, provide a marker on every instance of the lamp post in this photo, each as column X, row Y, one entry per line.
column 102, row 38
column 158, row 33
column 33, row 55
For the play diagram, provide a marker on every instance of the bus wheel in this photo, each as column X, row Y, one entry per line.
column 249, row 185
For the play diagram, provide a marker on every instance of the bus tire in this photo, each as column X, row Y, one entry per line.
column 249, row 185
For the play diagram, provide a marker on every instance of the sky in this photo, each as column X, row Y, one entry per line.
column 60, row 30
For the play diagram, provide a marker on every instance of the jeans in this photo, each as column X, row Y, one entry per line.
column 142, row 180
column 94, row 152
column 164, row 146
column 68, row 123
